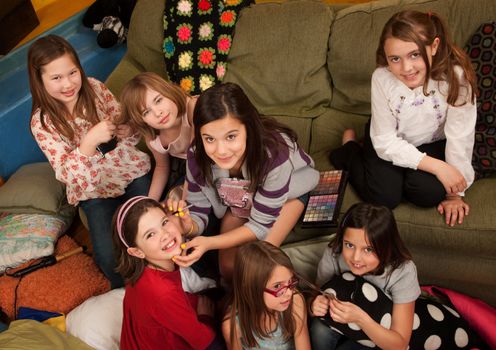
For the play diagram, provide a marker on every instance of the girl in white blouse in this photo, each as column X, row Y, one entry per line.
column 418, row 144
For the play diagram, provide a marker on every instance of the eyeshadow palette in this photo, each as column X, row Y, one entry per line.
column 323, row 205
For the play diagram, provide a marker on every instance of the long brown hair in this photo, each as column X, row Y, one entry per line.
column 421, row 29
column 42, row 52
column 228, row 99
column 133, row 98
column 381, row 230
column 129, row 266
column 253, row 267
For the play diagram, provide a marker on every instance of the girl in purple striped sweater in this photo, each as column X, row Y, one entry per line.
column 248, row 170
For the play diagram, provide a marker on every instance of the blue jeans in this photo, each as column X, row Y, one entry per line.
column 99, row 212
column 325, row 338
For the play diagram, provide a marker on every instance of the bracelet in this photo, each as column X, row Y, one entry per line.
column 191, row 229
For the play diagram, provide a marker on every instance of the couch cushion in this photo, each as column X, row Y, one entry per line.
column 279, row 57
column 302, row 127
column 33, row 189
column 327, row 129
column 351, row 69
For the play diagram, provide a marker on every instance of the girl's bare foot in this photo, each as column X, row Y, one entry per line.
column 348, row 135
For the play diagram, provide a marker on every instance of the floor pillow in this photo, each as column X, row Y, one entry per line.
column 482, row 51
column 197, row 39
column 480, row 316
column 24, row 237
column 57, row 288
column 30, row 334
column 98, row 321
column 436, row 326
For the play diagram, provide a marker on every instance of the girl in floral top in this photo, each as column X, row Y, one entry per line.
column 418, row 144
column 73, row 119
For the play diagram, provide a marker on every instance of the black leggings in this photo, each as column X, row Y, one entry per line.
column 380, row 182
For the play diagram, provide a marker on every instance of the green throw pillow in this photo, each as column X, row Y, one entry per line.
column 33, row 189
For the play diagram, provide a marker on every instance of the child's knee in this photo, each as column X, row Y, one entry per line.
column 424, row 193
column 322, row 337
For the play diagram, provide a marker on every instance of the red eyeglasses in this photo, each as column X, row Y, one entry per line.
column 282, row 290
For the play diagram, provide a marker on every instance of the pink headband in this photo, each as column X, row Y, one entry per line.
column 122, row 214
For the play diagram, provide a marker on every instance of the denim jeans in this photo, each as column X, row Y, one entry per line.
column 325, row 338
column 99, row 212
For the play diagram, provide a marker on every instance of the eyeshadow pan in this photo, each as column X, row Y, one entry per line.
column 322, row 209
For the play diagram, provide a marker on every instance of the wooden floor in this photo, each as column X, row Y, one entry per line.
column 52, row 12
column 80, row 234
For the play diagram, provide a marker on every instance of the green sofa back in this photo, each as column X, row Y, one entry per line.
column 355, row 34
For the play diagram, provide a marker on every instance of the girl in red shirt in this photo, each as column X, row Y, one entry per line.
column 158, row 314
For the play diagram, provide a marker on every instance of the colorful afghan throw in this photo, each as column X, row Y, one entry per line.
column 198, row 35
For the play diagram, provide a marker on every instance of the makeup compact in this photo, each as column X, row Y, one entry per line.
column 322, row 209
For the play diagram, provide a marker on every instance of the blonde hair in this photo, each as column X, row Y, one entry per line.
column 253, row 267
column 43, row 51
column 421, row 29
column 133, row 100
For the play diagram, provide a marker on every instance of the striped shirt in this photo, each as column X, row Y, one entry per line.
column 291, row 174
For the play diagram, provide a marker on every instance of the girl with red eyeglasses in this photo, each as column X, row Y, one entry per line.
column 266, row 310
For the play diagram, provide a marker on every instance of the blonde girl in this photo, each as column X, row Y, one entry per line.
column 418, row 145
column 74, row 121
column 163, row 114
column 267, row 311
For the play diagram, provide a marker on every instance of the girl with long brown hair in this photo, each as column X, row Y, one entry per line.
column 418, row 144
column 267, row 311
column 248, row 170
column 75, row 122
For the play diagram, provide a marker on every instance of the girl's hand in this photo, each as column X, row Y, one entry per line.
column 100, row 133
column 205, row 306
column 195, row 248
column 123, row 131
column 345, row 312
column 451, row 178
column 319, row 306
column 453, row 208
column 183, row 214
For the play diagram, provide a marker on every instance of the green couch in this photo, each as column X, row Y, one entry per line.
column 309, row 64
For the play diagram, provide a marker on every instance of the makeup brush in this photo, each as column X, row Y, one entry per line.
column 182, row 209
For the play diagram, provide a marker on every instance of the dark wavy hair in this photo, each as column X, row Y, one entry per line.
column 42, row 52
column 381, row 230
column 229, row 100
column 422, row 28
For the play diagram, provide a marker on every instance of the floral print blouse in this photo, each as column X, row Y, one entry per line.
column 96, row 176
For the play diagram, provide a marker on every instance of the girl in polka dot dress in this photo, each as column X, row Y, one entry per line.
column 367, row 244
